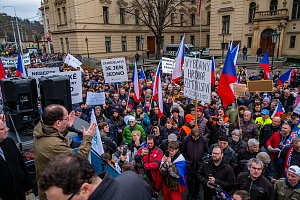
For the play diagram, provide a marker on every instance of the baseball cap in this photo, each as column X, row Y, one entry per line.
column 131, row 119
column 294, row 169
column 265, row 112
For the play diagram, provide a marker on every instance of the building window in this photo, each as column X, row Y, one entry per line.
column 192, row 40
column 62, row 48
column 181, row 19
column 59, row 16
column 296, row 9
column 105, row 15
column 150, row 15
column 172, row 39
column 65, row 15
column 124, row 43
column 193, row 19
column 137, row 43
column 252, row 8
column 249, row 43
column 208, row 18
column 107, row 44
column 225, row 24
column 226, row 45
column 292, row 41
column 172, row 19
column 273, row 5
column 122, row 15
column 137, row 17
column 207, row 40
column 67, row 45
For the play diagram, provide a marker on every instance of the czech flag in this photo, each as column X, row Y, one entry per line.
column 179, row 61
column 180, row 165
column 2, row 71
column 279, row 110
column 142, row 74
column 285, row 77
column 227, row 78
column 264, row 63
column 135, row 77
column 157, row 91
column 20, row 69
column 213, row 69
column 235, row 53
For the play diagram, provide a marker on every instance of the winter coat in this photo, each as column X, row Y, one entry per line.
column 237, row 146
column 14, row 177
column 202, row 126
column 284, row 191
column 266, row 132
column 127, row 133
column 48, row 142
column 249, row 130
column 287, row 103
column 166, row 132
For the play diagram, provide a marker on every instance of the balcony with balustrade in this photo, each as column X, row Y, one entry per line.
column 279, row 14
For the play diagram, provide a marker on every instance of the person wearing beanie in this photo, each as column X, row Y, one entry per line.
column 187, row 128
column 236, row 142
column 268, row 171
column 289, row 188
column 164, row 144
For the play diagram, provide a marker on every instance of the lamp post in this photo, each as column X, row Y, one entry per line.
column 46, row 27
column 280, row 27
column 223, row 45
column 87, row 46
column 142, row 43
column 274, row 41
column 20, row 42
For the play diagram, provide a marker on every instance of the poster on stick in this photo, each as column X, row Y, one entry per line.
column 114, row 70
column 167, row 65
column 95, row 98
column 239, row 89
column 260, row 86
column 197, row 79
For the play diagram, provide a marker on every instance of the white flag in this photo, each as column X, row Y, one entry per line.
column 297, row 109
column 97, row 145
column 73, row 62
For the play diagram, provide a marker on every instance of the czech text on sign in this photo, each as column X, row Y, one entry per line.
column 197, row 79
column 41, row 72
column 13, row 62
column 114, row 70
column 95, row 98
column 239, row 89
column 167, row 65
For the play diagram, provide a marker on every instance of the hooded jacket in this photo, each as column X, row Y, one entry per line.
column 284, row 191
column 48, row 142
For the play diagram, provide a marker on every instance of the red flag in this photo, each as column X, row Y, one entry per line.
column 199, row 7
column 264, row 63
column 2, row 72
column 157, row 91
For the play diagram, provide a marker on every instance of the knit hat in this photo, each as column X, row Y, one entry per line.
column 189, row 118
column 200, row 109
column 78, row 109
column 223, row 138
column 294, row 169
column 172, row 137
column 253, row 142
column 264, row 157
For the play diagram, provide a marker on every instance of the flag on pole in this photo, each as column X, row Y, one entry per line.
column 199, row 7
column 264, row 63
column 285, row 77
column 227, row 78
column 179, row 61
column 135, row 77
column 213, row 68
column 279, row 110
column 20, row 68
column 142, row 74
column 97, row 145
column 235, row 53
column 2, row 71
column 231, row 45
column 73, row 62
column 157, row 91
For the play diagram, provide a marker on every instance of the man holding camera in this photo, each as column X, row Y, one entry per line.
column 216, row 173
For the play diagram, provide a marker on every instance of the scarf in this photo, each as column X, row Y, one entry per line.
column 288, row 159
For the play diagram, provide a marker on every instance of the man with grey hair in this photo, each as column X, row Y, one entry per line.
column 250, row 152
column 259, row 187
column 248, row 127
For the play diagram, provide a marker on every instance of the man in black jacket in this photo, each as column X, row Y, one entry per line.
column 14, row 177
column 70, row 176
column 216, row 172
column 267, row 131
column 259, row 187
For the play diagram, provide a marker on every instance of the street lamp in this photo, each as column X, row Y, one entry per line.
column 223, row 45
column 274, row 41
column 142, row 42
column 17, row 26
column 280, row 27
column 87, row 46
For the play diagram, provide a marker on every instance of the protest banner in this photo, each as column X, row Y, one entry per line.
column 167, row 65
column 41, row 72
column 95, row 98
column 239, row 89
column 73, row 62
column 114, row 70
column 197, row 79
column 75, row 84
column 13, row 61
column 260, row 86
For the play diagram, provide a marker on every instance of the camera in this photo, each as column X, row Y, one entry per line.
column 167, row 153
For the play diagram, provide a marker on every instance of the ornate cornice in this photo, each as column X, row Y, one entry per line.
column 59, row 2
column 122, row 3
column 105, row 1
column 227, row 9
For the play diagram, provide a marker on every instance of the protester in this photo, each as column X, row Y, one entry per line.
column 249, row 128
column 127, row 133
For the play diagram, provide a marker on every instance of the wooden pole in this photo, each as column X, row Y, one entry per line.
column 196, row 116
column 128, row 97
column 237, row 108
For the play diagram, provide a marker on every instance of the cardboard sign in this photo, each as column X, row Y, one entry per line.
column 95, row 98
column 167, row 65
column 260, row 86
column 239, row 89
column 197, row 79
column 114, row 70
column 13, row 62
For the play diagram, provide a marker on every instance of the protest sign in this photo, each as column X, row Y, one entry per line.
column 75, row 84
column 114, row 70
column 13, row 61
column 167, row 65
column 41, row 72
column 94, row 98
column 239, row 89
column 73, row 62
column 260, row 86
column 197, row 79
column 297, row 109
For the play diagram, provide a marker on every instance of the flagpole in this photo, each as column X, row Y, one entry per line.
column 128, row 97
column 237, row 108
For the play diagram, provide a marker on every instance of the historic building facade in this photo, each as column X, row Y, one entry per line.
column 102, row 29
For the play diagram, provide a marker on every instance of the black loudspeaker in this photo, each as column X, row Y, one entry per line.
column 55, row 89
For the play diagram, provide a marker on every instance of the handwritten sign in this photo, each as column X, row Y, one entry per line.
column 239, row 89
column 95, row 98
column 114, row 70
column 13, row 61
column 167, row 65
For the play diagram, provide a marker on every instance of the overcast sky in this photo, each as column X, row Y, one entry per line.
column 24, row 8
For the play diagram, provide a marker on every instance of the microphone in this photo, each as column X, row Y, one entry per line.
column 72, row 129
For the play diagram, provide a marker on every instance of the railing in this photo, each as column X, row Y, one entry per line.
column 279, row 12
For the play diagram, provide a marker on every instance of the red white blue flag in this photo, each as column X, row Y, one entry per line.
column 285, row 77
column 157, row 91
column 179, row 61
column 2, row 71
column 137, row 96
column 279, row 110
column 20, row 68
column 264, row 63
column 213, row 69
